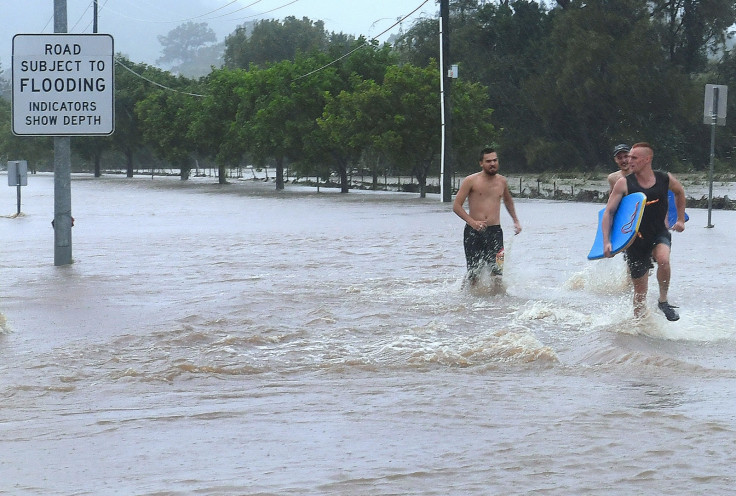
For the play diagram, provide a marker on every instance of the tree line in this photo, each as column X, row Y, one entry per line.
column 552, row 87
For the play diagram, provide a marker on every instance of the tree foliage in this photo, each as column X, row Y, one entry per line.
column 183, row 42
column 552, row 86
column 273, row 41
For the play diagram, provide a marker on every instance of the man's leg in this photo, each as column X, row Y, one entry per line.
column 470, row 244
column 641, row 285
column 661, row 255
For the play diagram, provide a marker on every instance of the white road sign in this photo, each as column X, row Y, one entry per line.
column 63, row 84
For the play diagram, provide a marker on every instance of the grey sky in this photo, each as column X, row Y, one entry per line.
column 135, row 24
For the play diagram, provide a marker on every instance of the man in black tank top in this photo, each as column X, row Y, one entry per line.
column 654, row 239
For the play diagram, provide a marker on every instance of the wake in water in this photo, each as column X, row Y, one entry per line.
column 4, row 329
column 608, row 276
column 484, row 284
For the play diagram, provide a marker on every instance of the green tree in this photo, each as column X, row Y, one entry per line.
column 605, row 80
column 499, row 45
column 38, row 151
column 420, row 44
column 273, row 41
column 690, row 30
column 92, row 148
column 415, row 112
column 130, row 88
column 281, row 109
column 166, row 117
column 5, row 89
column 471, row 121
column 351, row 123
column 213, row 129
column 181, row 44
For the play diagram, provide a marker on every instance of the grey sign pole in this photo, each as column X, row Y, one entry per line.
column 17, row 176
column 714, row 114
column 62, row 173
column 714, row 117
column 17, row 188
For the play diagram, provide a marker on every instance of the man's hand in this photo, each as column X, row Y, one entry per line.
column 607, row 249
column 478, row 225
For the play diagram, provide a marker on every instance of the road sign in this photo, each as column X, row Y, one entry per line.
column 714, row 106
column 17, row 173
column 63, row 84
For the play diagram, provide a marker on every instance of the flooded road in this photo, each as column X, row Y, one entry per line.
column 231, row 339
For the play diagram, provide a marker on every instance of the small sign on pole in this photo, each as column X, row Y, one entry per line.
column 17, row 176
column 714, row 108
column 17, row 173
column 714, row 113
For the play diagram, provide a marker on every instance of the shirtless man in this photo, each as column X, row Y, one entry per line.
column 621, row 157
column 654, row 240
column 483, row 237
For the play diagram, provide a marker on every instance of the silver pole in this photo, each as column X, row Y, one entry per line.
column 17, row 182
column 442, row 118
column 714, row 120
column 62, row 173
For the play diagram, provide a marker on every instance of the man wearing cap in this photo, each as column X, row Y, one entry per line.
column 654, row 240
column 621, row 157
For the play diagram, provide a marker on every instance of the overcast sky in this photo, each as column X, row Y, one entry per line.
column 135, row 24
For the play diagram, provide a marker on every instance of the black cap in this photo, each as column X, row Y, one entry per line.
column 620, row 148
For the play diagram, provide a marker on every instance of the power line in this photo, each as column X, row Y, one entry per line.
column 117, row 61
column 80, row 18
column 367, row 43
column 85, row 11
column 203, row 16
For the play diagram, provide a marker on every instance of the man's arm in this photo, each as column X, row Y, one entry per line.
column 619, row 191
column 612, row 178
column 457, row 206
column 508, row 200
column 680, row 200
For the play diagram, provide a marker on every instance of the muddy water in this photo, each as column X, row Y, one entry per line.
column 237, row 340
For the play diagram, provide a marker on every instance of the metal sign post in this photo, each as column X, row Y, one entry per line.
column 714, row 113
column 63, row 85
column 18, row 176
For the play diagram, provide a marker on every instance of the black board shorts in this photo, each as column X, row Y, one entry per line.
column 482, row 248
column 639, row 254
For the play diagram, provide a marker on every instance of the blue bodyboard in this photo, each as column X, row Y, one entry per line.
column 672, row 211
column 625, row 225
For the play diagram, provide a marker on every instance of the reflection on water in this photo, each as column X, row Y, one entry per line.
column 655, row 396
column 231, row 339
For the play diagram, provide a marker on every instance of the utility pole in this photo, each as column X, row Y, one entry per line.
column 94, row 17
column 62, row 173
column 446, row 110
column 97, row 173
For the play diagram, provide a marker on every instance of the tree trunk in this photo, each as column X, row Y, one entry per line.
column 184, row 171
column 98, row 160
column 129, row 163
column 375, row 173
column 344, row 182
column 222, row 179
column 279, row 172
